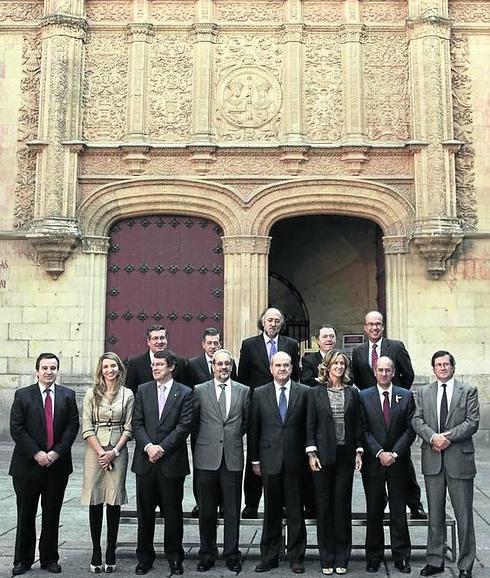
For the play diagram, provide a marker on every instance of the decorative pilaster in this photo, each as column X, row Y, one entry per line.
column 396, row 250
column 437, row 231
column 54, row 231
column 246, row 287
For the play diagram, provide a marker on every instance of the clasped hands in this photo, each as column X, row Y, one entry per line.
column 46, row 459
column 155, row 452
column 440, row 442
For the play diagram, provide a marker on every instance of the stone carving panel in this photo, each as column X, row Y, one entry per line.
column 240, row 164
column 386, row 94
column 466, row 201
column 323, row 87
column 170, row 88
column 383, row 11
column 114, row 11
column 182, row 12
column 20, row 11
column 320, row 12
column 475, row 12
column 27, row 130
column 105, row 86
column 248, row 92
column 268, row 11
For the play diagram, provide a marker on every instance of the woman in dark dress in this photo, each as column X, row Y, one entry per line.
column 334, row 451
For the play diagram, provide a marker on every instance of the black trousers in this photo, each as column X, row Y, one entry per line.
column 252, row 486
column 375, row 502
column 283, row 489
column 51, row 490
column 152, row 490
column 333, row 492
column 216, row 487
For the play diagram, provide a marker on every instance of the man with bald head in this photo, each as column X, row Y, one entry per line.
column 277, row 438
column 254, row 370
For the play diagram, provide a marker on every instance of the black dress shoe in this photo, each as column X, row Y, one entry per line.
column 234, row 564
column 372, row 566
column 465, row 574
column 266, row 566
column 204, row 565
column 250, row 513
column 20, row 568
column 52, row 567
column 297, row 567
column 418, row 514
column 430, row 570
column 176, row 567
column 403, row 566
column 143, row 568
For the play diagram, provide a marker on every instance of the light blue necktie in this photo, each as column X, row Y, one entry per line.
column 283, row 404
column 273, row 348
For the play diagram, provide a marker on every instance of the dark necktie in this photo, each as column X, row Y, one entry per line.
column 210, row 368
column 48, row 417
column 374, row 357
column 273, row 349
column 283, row 404
column 222, row 401
column 443, row 410
column 386, row 407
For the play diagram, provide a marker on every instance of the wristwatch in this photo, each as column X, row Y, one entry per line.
column 116, row 452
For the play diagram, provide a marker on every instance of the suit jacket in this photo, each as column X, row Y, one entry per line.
column 309, row 367
column 170, row 431
column 363, row 374
column 273, row 443
column 29, row 432
column 216, row 437
column 320, row 425
column 198, row 371
column 462, row 422
column 139, row 371
column 253, row 367
column 397, row 437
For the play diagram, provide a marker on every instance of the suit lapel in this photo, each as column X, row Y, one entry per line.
column 432, row 417
column 58, row 404
column 37, row 402
column 205, row 367
column 323, row 393
column 347, row 399
column 234, row 398
column 376, row 405
column 262, row 351
column 455, row 400
column 271, row 396
column 293, row 398
column 212, row 399
column 172, row 396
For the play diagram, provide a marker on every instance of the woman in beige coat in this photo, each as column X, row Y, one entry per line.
column 107, row 415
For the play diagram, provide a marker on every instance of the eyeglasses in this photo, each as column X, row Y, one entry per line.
column 443, row 365
column 374, row 324
column 222, row 363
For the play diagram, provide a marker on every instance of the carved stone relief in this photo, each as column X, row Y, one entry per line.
column 20, row 11
column 320, row 12
column 386, row 95
column 466, row 201
column 269, row 11
column 170, row 88
column 323, row 87
column 105, row 86
column 27, row 130
column 475, row 12
column 384, row 11
column 248, row 94
column 115, row 11
column 182, row 12
column 260, row 165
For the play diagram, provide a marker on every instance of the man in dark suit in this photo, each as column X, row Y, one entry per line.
column 43, row 424
column 162, row 421
column 277, row 437
column 363, row 359
column 199, row 368
column 326, row 339
column 254, row 370
column 139, row 369
column 221, row 408
column 387, row 412
column 446, row 417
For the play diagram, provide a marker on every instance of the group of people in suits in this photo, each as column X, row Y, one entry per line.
column 316, row 425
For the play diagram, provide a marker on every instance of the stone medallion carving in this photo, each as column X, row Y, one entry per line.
column 249, row 97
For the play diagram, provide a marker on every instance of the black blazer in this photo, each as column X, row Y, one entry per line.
column 397, row 437
column 198, row 371
column 275, row 444
column 170, row 432
column 363, row 374
column 253, row 367
column 29, row 432
column 320, row 426
column 309, row 367
column 139, row 371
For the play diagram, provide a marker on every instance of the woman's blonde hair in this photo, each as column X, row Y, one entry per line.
column 99, row 384
column 329, row 360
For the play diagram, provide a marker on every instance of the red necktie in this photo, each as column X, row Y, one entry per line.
column 374, row 357
column 48, row 416
column 386, row 407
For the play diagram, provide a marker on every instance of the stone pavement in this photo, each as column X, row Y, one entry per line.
column 75, row 545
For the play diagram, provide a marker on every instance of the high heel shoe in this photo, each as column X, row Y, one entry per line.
column 327, row 571
column 109, row 568
column 110, row 559
column 96, row 569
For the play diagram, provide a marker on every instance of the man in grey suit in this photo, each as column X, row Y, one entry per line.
column 446, row 417
column 221, row 409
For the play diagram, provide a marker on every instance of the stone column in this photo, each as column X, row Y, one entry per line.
column 246, row 286
column 437, row 230
column 54, row 230
column 396, row 251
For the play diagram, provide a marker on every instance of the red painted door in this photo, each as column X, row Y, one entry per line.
column 163, row 269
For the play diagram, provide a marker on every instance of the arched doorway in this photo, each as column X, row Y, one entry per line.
column 165, row 269
column 336, row 264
